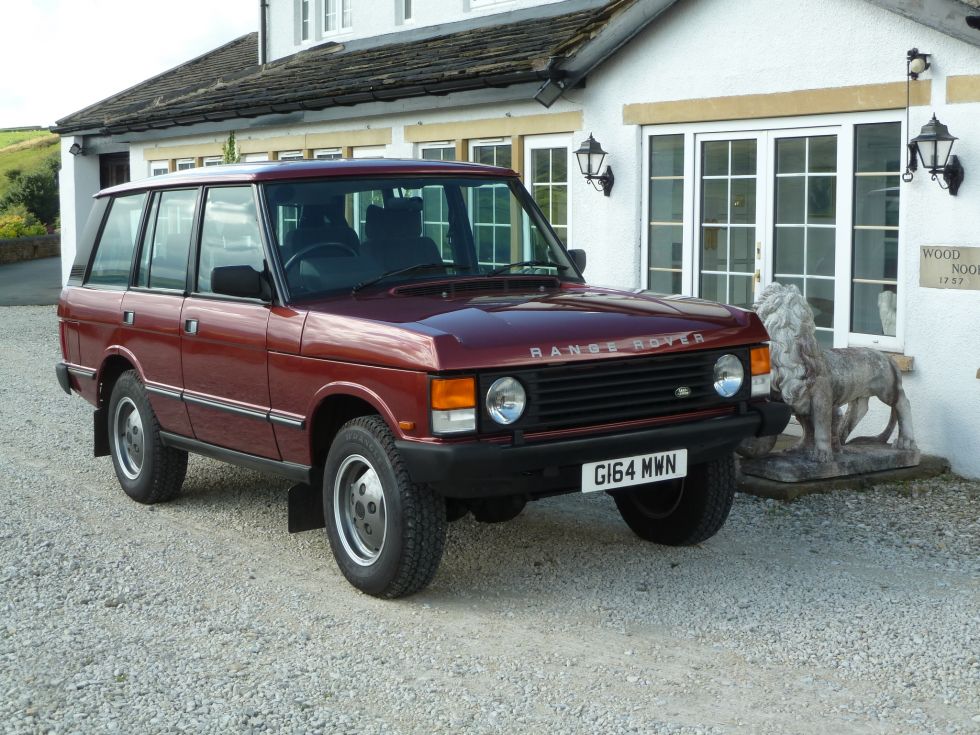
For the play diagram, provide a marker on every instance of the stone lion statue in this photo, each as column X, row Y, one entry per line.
column 817, row 382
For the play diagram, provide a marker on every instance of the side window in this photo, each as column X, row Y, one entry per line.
column 167, row 241
column 114, row 251
column 229, row 233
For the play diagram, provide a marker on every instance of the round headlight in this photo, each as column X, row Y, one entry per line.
column 729, row 374
column 506, row 400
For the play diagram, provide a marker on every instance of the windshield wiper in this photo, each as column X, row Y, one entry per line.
column 399, row 271
column 520, row 263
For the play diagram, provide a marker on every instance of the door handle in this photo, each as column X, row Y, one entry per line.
column 129, row 317
column 758, row 276
column 190, row 326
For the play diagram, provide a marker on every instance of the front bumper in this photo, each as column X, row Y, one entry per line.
column 482, row 469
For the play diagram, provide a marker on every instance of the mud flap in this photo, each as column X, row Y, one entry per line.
column 100, row 433
column 305, row 508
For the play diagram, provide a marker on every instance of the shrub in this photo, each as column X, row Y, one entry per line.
column 13, row 224
column 36, row 191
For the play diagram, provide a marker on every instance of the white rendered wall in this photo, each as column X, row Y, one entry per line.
column 376, row 17
column 78, row 180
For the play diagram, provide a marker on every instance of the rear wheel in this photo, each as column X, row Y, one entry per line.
column 681, row 512
column 386, row 532
column 148, row 471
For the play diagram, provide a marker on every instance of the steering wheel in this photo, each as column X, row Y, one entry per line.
column 303, row 252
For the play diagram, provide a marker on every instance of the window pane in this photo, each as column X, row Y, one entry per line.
column 714, row 249
column 743, row 201
column 172, row 239
column 742, row 249
column 822, row 200
column 667, row 200
column 442, row 153
column 823, row 154
column 666, row 246
column 713, row 287
column 559, row 205
column 668, row 282
column 878, row 148
column 743, row 157
column 114, row 252
column 559, row 165
column 667, row 155
column 789, row 200
column 790, row 155
column 788, row 255
column 876, row 254
column 740, row 291
column 229, row 234
column 820, row 250
column 715, row 205
column 876, row 201
column 714, row 156
column 873, row 309
column 820, row 296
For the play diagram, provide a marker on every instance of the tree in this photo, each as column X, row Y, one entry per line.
column 35, row 191
column 230, row 153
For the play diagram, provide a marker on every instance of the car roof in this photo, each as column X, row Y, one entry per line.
column 246, row 173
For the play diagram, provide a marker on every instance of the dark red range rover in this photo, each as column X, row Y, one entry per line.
column 409, row 342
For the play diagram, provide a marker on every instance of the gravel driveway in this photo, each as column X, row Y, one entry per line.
column 843, row 613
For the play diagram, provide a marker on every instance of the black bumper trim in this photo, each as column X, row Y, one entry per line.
column 469, row 469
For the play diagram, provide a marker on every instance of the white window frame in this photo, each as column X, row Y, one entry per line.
column 843, row 126
column 539, row 142
column 290, row 155
column 328, row 154
column 337, row 12
column 435, row 145
column 185, row 164
column 255, row 157
column 159, row 168
column 305, row 32
column 212, row 161
column 404, row 11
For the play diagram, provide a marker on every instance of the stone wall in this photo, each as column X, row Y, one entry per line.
column 30, row 248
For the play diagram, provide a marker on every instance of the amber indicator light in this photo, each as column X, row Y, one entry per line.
column 760, row 360
column 450, row 393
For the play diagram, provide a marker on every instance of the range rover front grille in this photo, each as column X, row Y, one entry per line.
column 606, row 391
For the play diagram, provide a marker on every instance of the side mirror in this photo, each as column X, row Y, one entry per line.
column 239, row 280
column 578, row 258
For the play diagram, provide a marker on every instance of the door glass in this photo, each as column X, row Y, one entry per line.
column 804, row 231
column 728, row 214
column 229, row 233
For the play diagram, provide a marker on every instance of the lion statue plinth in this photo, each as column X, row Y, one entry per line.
column 816, row 383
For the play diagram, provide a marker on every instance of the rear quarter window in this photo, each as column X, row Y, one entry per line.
column 117, row 243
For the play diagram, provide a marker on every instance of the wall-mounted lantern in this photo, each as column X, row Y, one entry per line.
column 590, row 157
column 75, row 149
column 933, row 146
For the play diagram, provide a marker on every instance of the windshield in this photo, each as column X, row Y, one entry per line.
column 343, row 234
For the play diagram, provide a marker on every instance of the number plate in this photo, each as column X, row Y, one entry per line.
column 639, row 470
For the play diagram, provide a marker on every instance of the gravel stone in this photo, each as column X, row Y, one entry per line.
column 846, row 612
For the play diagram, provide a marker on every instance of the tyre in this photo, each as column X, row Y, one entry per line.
column 148, row 471
column 387, row 534
column 681, row 512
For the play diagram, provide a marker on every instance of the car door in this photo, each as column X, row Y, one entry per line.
column 152, row 307
column 223, row 338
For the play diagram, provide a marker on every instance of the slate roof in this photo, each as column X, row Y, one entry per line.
column 228, row 83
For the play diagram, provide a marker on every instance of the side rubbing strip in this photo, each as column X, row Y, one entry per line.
column 286, row 421
column 81, row 372
column 165, row 392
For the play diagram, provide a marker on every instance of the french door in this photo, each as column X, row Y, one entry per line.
column 770, row 206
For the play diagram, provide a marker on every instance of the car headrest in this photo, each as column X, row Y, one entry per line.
column 399, row 218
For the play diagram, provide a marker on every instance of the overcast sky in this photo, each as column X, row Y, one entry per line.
column 58, row 56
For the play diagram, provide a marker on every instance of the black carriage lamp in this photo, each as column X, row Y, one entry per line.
column 933, row 146
column 590, row 157
column 76, row 149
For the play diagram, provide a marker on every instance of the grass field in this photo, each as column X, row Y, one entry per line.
column 26, row 150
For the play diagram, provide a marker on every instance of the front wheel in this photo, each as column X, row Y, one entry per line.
column 681, row 512
column 386, row 533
